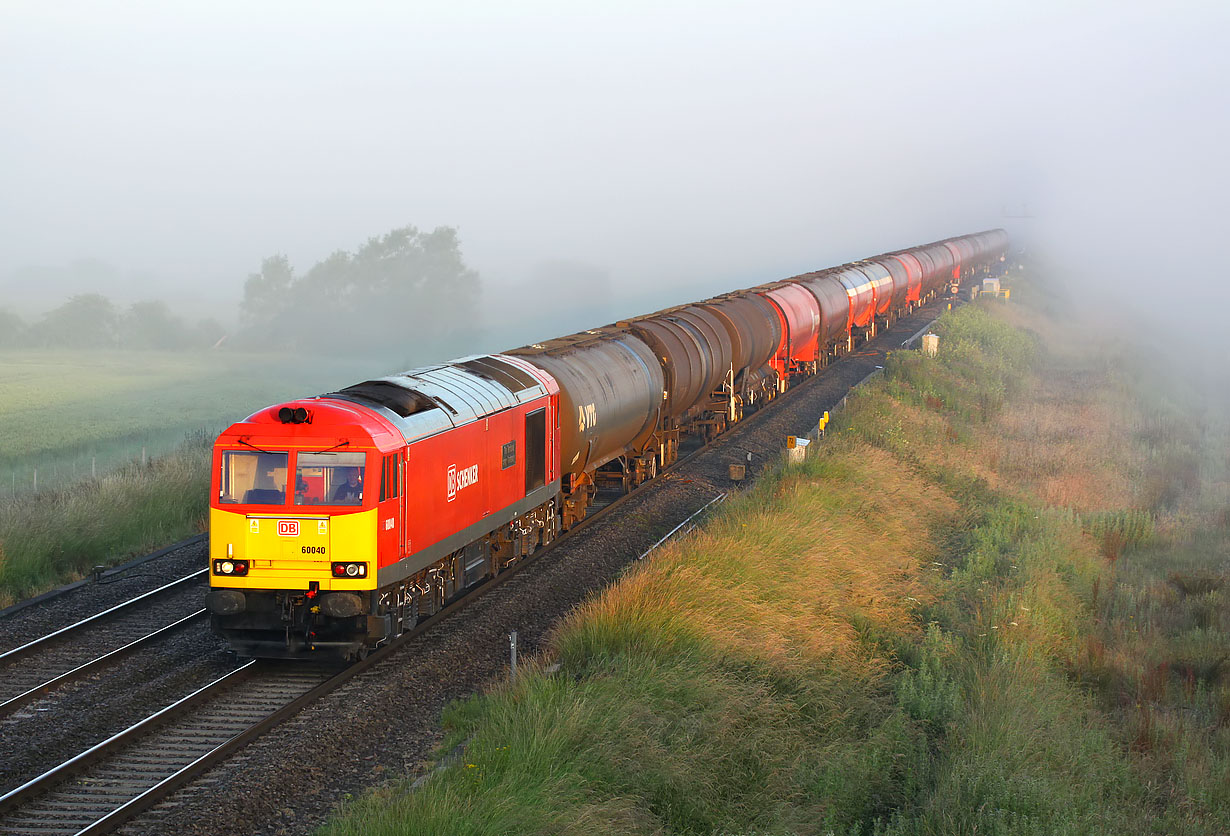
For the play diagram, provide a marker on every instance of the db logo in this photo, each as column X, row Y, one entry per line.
column 288, row 528
column 458, row 479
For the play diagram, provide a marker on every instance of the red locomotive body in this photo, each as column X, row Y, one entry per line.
column 339, row 521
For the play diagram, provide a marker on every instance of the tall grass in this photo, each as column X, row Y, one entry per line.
column 57, row 536
column 901, row 636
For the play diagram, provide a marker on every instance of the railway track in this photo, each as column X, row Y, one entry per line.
column 70, row 653
column 105, row 785
column 99, row 789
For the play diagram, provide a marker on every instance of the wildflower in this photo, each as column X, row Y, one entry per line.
column 469, row 766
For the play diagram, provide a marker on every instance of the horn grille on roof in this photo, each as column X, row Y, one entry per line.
column 405, row 402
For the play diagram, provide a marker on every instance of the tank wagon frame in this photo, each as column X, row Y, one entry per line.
column 340, row 521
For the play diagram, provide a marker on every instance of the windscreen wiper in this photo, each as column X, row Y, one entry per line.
column 334, row 447
column 247, row 443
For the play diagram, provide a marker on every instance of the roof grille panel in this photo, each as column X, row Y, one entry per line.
column 405, row 402
column 506, row 374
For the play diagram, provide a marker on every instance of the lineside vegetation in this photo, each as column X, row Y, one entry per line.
column 59, row 535
column 994, row 602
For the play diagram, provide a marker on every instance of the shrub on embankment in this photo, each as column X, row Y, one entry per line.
column 56, row 536
column 887, row 639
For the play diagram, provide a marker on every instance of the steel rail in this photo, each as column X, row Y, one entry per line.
column 36, row 786
column 12, row 704
column 29, row 647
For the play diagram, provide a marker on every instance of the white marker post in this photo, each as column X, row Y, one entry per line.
column 512, row 648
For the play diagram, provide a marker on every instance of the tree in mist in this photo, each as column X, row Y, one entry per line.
column 12, row 329
column 267, row 294
column 87, row 320
column 404, row 288
column 151, row 325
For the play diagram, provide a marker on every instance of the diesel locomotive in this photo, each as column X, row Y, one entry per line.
column 337, row 522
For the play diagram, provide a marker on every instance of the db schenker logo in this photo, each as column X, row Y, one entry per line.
column 288, row 528
column 460, row 479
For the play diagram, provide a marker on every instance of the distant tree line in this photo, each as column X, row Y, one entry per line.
column 91, row 320
column 404, row 290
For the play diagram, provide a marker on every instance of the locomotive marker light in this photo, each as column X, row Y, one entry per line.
column 237, row 568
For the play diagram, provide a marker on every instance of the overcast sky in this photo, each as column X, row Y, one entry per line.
column 673, row 146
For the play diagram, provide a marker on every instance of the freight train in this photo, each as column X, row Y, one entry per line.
column 340, row 521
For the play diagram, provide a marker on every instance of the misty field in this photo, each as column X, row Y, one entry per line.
column 65, row 413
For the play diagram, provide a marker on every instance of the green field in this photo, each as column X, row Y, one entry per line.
column 69, row 413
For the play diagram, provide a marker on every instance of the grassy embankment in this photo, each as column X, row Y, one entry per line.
column 990, row 604
column 52, row 537
column 59, row 410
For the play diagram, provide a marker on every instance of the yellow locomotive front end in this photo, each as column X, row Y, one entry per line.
column 294, row 547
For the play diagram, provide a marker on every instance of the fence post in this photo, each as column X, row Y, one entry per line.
column 36, row 480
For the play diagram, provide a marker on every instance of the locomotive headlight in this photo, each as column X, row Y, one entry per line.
column 352, row 570
column 227, row 567
column 230, row 567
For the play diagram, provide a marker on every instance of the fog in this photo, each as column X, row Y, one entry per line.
column 648, row 155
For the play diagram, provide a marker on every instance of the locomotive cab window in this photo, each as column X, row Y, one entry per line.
column 253, row 478
column 329, row 478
